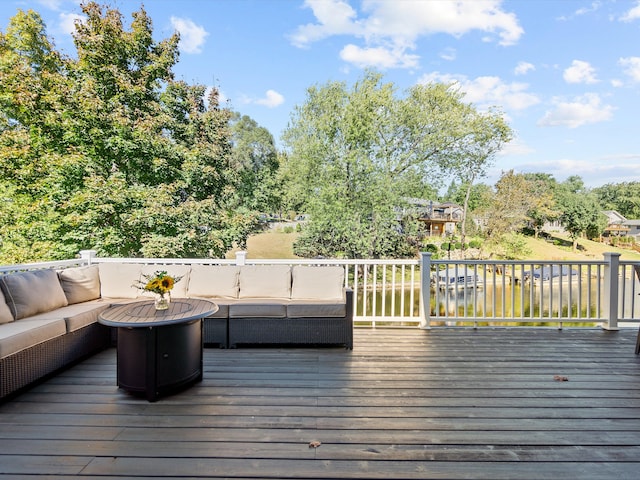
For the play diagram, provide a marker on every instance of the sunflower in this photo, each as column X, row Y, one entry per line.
column 166, row 283
column 160, row 282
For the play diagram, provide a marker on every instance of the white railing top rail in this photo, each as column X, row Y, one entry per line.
column 22, row 267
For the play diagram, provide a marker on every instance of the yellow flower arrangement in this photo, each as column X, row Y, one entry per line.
column 159, row 282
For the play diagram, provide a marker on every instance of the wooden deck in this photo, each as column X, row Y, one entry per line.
column 405, row 403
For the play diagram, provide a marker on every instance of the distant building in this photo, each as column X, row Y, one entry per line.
column 634, row 228
column 616, row 224
column 440, row 218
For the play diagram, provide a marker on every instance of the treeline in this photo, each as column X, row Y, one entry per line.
column 522, row 204
column 105, row 150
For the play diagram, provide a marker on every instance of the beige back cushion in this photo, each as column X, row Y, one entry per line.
column 5, row 313
column 117, row 280
column 317, row 283
column 219, row 281
column 265, row 281
column 28, row 293
column 180, row 288
column 80, row 284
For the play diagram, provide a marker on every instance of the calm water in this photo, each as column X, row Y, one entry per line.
column 520, row 302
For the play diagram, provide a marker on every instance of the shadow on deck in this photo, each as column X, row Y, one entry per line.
column 446, row 403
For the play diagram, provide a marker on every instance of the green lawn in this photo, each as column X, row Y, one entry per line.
column 277, row 244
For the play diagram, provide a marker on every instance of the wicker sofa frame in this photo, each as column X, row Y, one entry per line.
column 294, row 331
column 43, row 359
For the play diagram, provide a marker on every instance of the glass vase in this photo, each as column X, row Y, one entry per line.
column 162, row 301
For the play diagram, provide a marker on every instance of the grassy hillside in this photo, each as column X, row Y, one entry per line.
column 588, row 250
column 277, row 244
column 271, row 244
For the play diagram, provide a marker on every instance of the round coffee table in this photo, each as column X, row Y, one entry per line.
column 159, row 351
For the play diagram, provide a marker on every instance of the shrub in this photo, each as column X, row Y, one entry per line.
column 431, row 247
column 475, row 244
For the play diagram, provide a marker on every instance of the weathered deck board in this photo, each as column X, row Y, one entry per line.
column 446, row 403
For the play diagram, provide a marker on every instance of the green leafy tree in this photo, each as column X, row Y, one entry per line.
column 255, row 160
column 622, row 197
column 356, row 154
column 107, row 150
column 581, row 212
column 542, row 188
column 510, row 206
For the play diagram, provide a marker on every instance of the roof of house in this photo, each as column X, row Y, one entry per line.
column 614, row 217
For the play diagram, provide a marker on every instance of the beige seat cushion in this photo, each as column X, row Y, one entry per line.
column 21, row 334
column 265, row 281
column 80, row 284
column 179, row 288
column 316, row 309
column 28, row 293
column 117, row 279
column 317, row 283
column 264, row 307
column 79, row 315
column 217, row 281
column 5, row 313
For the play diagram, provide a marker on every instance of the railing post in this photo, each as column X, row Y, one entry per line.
column 425, row 290
column 611, row 270
column 88, row 255
column 241, row 258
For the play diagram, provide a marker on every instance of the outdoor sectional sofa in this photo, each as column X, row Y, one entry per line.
column 49, row 318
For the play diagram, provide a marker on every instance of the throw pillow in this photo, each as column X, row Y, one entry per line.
column 317, row 283
column 265, row 281
column 219, row 281
column 28, row 293
column 80, row 284
column 117, row 279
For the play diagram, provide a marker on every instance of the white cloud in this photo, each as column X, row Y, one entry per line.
column 580, row 72
column 272, row 99
column 591, row 8
column 390, row 29
column 448, row 54
column 68, row 20
column 594, row 172
column 51, row 4
column 515, row 147
column 581, row 111
column 192, row 36
column 523, row 68
column 378, row 57
column 487, row 91
column 335, row 17
column 631, row 66
column 632, row 14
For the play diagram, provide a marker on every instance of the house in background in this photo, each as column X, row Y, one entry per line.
column 615, row 224
column 634, row 228
column 441, row 218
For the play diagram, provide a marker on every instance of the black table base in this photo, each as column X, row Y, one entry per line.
column 158, row 360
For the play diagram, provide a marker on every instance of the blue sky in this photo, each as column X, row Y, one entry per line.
column 565, row 73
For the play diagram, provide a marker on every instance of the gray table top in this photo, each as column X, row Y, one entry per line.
column 143, row 314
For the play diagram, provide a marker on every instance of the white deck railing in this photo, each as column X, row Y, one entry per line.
column 477, row 293
column 550, row 293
